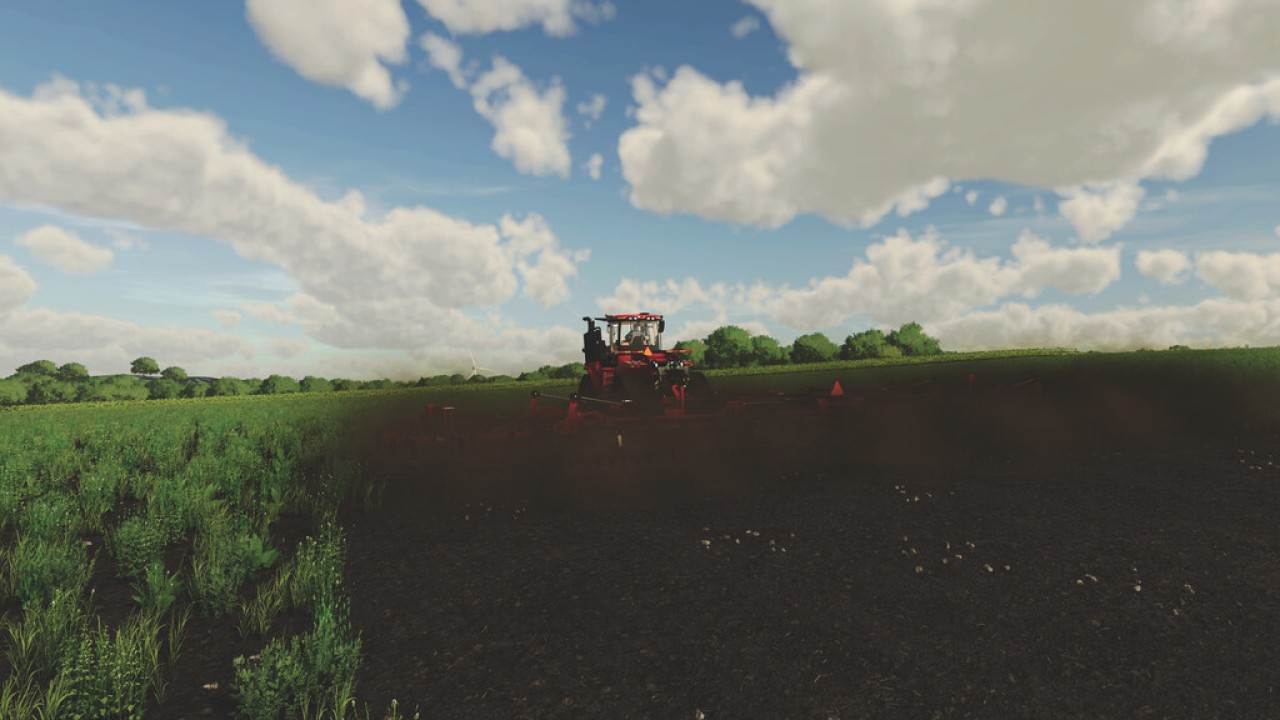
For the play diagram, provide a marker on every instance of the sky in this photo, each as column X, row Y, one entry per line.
column 376, row 188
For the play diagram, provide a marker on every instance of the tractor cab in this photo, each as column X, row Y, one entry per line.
column 625, row 358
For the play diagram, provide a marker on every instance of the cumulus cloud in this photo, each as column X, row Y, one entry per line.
column 744, row 26
column 286, row 347
column 546, row 281
column 267, row 312
column 1168, row 266
column 337, row 42
column 108, row 345
column 998, row 206
column 1241, row 275
column 1211, row 322
column 593, row 166
column 904, row 279
column 531, row 129
column 228, row 319
column 1277, row 231
column 1096, row 213
column 65, row 250
column 971, row 197
column 15, row 285
column 593, row 108
column 477, row 17
column 400, row 280
column 446, row 55
column 890, row 96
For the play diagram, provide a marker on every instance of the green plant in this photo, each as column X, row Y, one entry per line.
column 317, row 568
column 38, row 570
column 38, row 643
column 19, row 697
column 257, row 615
column 97, row 496
column 177, row 633
column 312, row 674
column 110, row 674
column 158, row 591
column 137, row 543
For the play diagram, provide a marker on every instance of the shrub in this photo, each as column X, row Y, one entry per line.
column 136, row 544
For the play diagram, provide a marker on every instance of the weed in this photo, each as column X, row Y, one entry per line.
column 38, row 570
column 39, row 642
column 110, row 674
column 158, row 591
column 137, row 543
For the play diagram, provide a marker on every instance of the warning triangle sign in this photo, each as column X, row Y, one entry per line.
column 836, row 390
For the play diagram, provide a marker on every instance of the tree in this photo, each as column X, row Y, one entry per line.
column 122, row 387
column 477, row 379
column 728, row 346
column 12, row 392
column 345, row 385
column 535, row 376
column 766, row 351
column 163, row 389
column 812, row 348
column 226, row 387
column 39, row 367
column 48, row 390
column 174, row 373
column 195, row 389
column 571, row 371
column 278, row 385
column 144, row 366
column 381, row 384
column 457, row 379
column 73, row 372
column 311, row 383
column 913, row 341
column 697, row 348
column 866, row 344
column 501, row 379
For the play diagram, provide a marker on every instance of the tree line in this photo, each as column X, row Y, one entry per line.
column 43, row 382
column 732, row 347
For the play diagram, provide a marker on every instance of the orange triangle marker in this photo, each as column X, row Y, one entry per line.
column 836, row 390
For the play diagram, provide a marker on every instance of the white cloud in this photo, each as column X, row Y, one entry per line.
column 744, row 26
column 400, row 280
column 15, row 285
column 1097, row 212
column 546, row 280
column 477, row 17
column 1241, row 275
column 1168, row 266
column 998, row 206
column 593, row 108
column 593, row 166
column 971, row 197
column 1038, row 205
column 1211, row 322
column 65, row 250
column 891, row 95
column 445, row 55
column 337, row 42
column 530, row 125
column 108, row 345
column 531, row 129
column 228, row 319
column 286, row 347
column 905, row 280
column 1277, row 231
column 122, row 240
column 267, row 312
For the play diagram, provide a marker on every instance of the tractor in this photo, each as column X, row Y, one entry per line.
column 631, row 367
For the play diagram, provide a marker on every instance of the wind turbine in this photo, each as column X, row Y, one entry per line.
column 475, row 369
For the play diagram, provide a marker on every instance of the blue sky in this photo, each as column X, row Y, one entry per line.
column 379, row 188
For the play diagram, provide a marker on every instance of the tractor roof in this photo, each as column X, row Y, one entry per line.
column 631, row 317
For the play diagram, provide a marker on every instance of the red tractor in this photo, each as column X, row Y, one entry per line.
column 631, row 367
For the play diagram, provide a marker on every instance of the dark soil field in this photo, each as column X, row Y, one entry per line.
column 1095, row 553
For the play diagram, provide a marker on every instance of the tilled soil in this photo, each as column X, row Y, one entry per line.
column 859, row 574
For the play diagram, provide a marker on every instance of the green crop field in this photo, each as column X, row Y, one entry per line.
column 183, row 499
